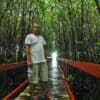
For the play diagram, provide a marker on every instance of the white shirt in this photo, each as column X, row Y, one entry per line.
column 37, row 47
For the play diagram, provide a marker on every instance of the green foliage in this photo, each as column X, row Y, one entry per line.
column 71, row 26
column 69, row 78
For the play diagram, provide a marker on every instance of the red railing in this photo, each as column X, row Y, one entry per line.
column 90, row 68
column 11, row 95
column 6, row 67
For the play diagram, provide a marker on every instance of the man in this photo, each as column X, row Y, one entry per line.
column 37, row 67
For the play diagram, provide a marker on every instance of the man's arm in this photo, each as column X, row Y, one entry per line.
column 46, row 51
column 28, row 54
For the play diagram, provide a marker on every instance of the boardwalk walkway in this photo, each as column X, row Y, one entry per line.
column 56, row 85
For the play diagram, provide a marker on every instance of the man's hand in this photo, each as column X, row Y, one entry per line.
column 28, row 55
column 29, row 62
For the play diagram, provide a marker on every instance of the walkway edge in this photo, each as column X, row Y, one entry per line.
column 68, row 89
column 15, row 91
column 72, row 97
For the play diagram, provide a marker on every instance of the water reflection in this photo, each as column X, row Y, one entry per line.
column 54, row 59
column 54, row 65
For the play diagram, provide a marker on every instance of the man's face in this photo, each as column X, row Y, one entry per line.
column 36, row 29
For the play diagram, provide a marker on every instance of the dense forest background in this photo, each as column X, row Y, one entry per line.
column 70, row 26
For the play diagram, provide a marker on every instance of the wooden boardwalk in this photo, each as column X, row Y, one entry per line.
column 56, row 85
